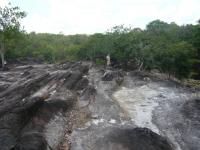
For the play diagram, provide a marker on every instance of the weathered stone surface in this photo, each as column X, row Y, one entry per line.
column 109, row 75
column 36, row 98
column 41, row 105
column 132, row 139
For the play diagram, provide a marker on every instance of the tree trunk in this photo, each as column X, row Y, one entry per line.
column 2, row 59
column 140, row 67
column 2, row 50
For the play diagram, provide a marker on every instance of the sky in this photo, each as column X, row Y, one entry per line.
column 92, row 16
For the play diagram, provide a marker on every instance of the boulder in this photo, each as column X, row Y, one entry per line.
column 132, row 139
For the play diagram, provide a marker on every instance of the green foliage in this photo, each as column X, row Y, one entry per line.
column 170, row 48
column 10, row 16
column 10, row 32
column 53, row 47
column 100, row 62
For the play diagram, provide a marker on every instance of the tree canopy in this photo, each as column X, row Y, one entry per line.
column 167, row 47
column 9, row 27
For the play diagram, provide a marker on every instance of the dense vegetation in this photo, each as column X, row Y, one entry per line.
column 167, row 47
column 9, row 28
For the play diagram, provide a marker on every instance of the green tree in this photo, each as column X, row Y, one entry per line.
column 183, row 54
column 9, row 22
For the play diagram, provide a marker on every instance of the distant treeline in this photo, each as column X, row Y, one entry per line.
column 169, row 48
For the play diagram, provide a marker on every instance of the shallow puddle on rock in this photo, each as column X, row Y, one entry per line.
column 139, row 103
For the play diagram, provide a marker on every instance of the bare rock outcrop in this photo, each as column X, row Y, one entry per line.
column 35, row 104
